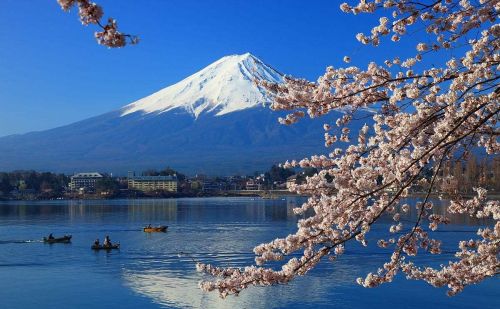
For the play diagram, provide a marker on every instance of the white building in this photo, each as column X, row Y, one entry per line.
column 84, row 182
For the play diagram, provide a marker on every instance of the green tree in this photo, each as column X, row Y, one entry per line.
column 5, row 186
column 168, row 171
column 107, row 184
column 278, row 174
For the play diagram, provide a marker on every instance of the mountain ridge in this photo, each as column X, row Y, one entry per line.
column 224, row 136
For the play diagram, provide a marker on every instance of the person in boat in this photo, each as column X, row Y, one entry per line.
column 107, row 242
column 50, row 236
column 149, row 226
column 96, row 242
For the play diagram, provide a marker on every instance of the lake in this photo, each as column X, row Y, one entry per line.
column 148, row 272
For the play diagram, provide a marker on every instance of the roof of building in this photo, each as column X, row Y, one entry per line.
column 87, row 175
column 154, row 178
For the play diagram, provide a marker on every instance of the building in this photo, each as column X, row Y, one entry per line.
column 209, row 185
column 252, row 184
column 291, row 181
column 84, row 182
column 448, row 184
column 152, row 183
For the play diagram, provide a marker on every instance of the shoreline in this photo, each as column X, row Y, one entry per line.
column 264, row 194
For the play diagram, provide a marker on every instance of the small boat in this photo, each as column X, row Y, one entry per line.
column 152, row 229
column 65, row 239
column 102, row 247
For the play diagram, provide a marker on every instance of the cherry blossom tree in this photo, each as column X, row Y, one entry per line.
column 91, row 13
column 423, row 116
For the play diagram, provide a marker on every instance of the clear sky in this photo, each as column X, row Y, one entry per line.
column 52, row 72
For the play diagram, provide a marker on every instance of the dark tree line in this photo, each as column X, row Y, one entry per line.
column 108, row 185
column 40, row 183
column 168, row 171
column 466, row 174
column 278, row 174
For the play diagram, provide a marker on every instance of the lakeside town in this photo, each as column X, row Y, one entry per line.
column 455, row 177
column 31, row 185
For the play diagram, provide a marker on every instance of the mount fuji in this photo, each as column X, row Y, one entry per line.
column 213, row 122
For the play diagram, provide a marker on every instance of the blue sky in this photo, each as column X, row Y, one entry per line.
column 53, row 73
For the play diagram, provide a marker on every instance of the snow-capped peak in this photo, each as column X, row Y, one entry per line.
column 225, row 86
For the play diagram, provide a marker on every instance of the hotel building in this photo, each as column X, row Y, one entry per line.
column 152, row 183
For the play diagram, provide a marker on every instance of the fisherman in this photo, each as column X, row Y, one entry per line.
column 50, row 236
column 96, row 242
column 107, row 241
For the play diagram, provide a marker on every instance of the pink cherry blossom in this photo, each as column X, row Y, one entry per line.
column 91, row 13
column 424, row 114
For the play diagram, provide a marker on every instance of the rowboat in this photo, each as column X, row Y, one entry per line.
column 102, row 247
column 162, row 228
column 65, row 239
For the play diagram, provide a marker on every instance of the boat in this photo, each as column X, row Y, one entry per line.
column 102, row 247
column 152, row 229
column 65, row 239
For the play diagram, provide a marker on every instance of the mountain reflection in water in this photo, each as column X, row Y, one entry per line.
column 147, row 271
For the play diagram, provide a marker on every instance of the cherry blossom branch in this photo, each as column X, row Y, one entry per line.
column 391, row 268
column 91, row 13
column 419, row 118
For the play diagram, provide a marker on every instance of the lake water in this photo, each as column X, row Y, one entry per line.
column 147, row 271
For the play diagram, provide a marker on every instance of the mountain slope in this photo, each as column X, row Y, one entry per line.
column 212, row 122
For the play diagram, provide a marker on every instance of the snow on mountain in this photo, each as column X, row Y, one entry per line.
column 225, row 86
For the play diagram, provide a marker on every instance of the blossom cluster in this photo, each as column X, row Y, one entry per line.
column 91, row 13
column 421, row 118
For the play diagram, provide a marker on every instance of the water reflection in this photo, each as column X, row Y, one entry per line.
column 179, row 289
column 147, row 210
column 169, row 289
column 441, row 208
column 148, row 273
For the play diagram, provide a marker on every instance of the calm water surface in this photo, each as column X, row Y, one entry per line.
column 147, row 271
